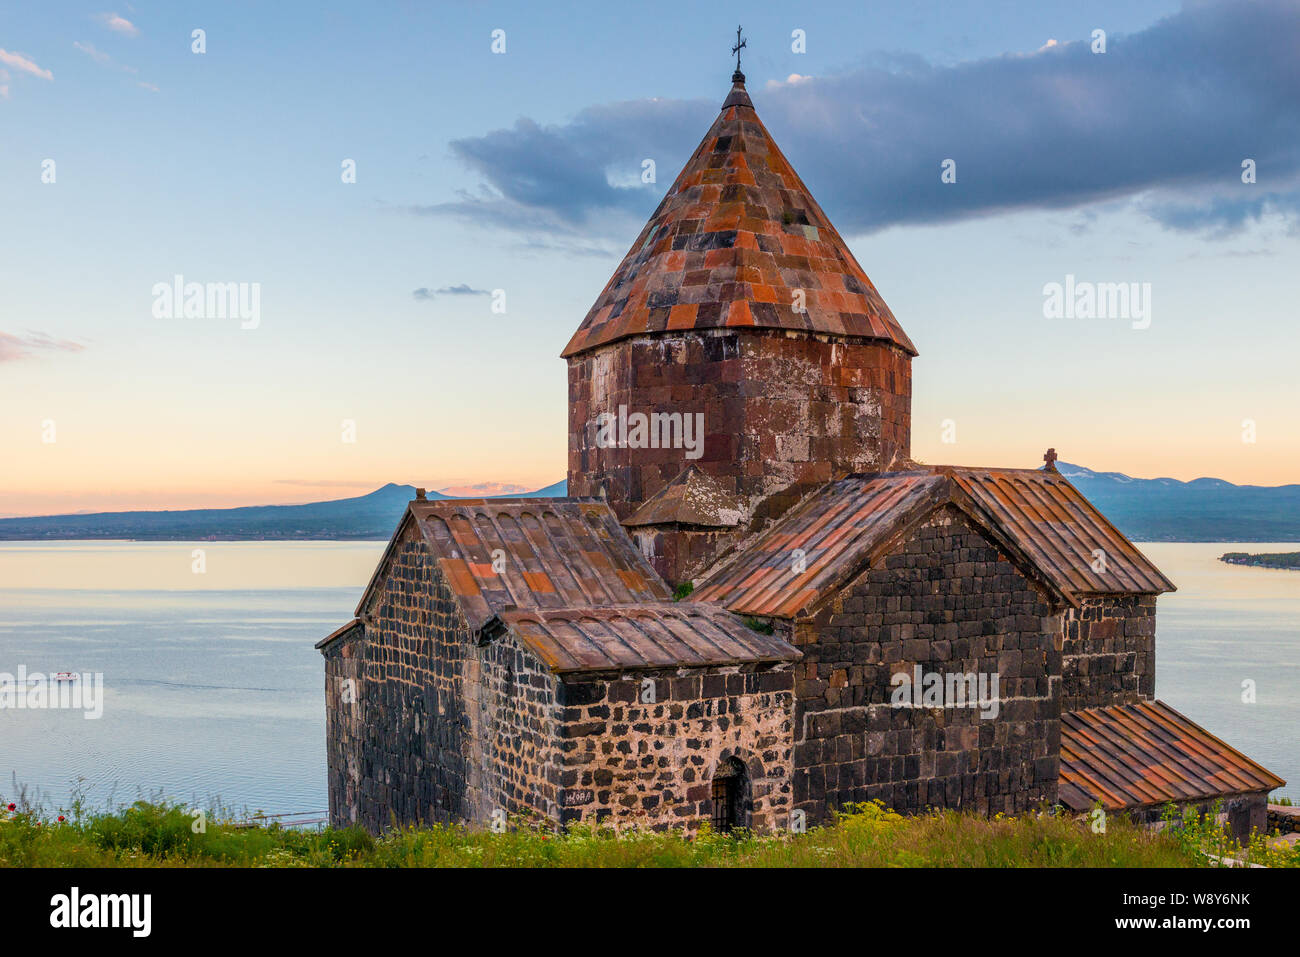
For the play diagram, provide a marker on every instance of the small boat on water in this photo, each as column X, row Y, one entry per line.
column 66, row 676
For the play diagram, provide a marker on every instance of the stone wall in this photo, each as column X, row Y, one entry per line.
column 442, row 730
column 628, row 761
column 947, row 600
column 1243, row 814
column 344, row 724
column 1109, row 654
column 780, row 410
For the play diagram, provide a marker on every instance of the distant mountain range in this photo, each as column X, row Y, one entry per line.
column 374, row 515
column 1146, row 510
column 1202, row 510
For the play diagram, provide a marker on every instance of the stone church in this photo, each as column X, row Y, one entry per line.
column 782, row 613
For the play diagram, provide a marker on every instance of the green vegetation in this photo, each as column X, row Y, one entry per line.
column 683, row 591
column 869, row 835
column 1263, row 559
column 757, row 624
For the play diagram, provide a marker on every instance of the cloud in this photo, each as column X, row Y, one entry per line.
column 23, row 64
column 14, row 348
column 484, row 489
column 102, row 58
column 118, row 24
column 329, row 483
column 556, row 180
column 90, row 51
column 1162, row 119
column 424, row 293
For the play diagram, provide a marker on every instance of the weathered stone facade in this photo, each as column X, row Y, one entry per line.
column 679, row 552
column 1109, row 654
column 438, row 729
column 948, row 601
column 783, row 412
column 630, row 760
column 427, row 725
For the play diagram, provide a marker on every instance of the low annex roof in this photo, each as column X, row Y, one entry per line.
column 631, row 637
column 1145, row 754
column 845, row 526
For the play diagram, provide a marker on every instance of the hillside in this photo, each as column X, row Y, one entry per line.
column 1202, row 510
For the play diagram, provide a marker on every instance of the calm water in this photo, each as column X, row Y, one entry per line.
column 213, row 691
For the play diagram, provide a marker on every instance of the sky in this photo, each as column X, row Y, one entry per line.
column 408, row 324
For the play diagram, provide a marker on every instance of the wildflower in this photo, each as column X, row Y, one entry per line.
column 60, row 818
column 12, row 806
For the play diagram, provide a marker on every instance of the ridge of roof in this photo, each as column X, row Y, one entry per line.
column 1037, row 516
column 843, row 528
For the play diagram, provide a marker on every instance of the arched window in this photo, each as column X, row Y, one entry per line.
column 729, row 792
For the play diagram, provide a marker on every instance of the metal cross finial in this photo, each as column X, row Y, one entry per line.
column 1050, row 458
column 740, row 45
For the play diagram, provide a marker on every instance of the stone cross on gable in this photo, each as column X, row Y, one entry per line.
column 1050, row 458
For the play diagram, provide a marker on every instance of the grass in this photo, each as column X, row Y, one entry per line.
column 149, row 834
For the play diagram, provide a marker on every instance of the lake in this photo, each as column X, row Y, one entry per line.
column 213, row 693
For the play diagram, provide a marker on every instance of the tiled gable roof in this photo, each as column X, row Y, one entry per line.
column 733, row 239
column 1145, row 754
column 1062, row 530
column 548, row 553
column 842, row 528
column 564, row 576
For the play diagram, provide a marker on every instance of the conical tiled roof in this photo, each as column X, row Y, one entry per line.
column 730, row 244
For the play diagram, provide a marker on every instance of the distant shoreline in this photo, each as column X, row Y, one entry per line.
column 1284, row 560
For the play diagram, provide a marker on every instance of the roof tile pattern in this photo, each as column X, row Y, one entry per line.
column 840, row 528
column 1138, row 755
column 555, row 553
column 1062, row 530
column 733, row 239
column 630, row 637
column 819, row 545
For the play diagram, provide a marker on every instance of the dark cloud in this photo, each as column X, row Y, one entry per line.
column 424, row 293
column 13, row 348
column 580, row 178
column 1164, row 117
